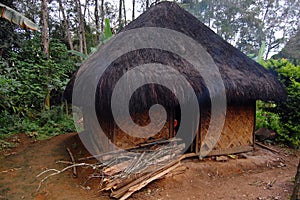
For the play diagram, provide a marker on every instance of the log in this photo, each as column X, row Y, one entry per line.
column 296, row 184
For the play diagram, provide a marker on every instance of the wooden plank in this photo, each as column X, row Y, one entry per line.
column 266, row 147
column 233, row 150
column 110, row 171
column 120, row 192
column 254, row 122
column 139, row 186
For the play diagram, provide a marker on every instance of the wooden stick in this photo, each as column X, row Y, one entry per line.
column 266, row 147
column 73, row 161
column 139, row 186
column 119, row 193
column 129, row 149
column 116, row 168
column 296, row 184
column 179, row 170
column 121, row 182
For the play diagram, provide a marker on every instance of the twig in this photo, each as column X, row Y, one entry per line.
column 10, row 170
column 266, row 147
column 64, row 162
column 73, row 162
column 56, row 172
column 99, row 156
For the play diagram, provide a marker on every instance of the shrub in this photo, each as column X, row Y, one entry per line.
column 287, row 112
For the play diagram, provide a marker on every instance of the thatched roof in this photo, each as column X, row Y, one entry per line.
column 244, row 79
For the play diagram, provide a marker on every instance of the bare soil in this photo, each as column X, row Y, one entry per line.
column 262, row 175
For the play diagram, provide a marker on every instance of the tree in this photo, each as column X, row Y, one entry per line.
column 133, row 9
column 66, row 24
column 292, row 49
column 120, row 14
column 289, row 110
column 96, row 13
column 246, row 24
column 45, row 34
column 124, row 11
column 102, row 15
column 82, row 38
column 147, row 4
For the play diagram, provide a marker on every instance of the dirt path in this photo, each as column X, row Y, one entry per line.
column 263, row 175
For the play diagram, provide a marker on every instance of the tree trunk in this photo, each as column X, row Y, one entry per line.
column 124, row 10
column 97, row 20
column 102, row 15
column 85, row 8
column 147, row 4
column 82, row 39
column 45, row 34
column 133, row 10
column 45, row 44
column 120, row 14
column 66, row 24
column 296, row 184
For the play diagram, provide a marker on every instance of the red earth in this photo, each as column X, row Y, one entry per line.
column 262, row 175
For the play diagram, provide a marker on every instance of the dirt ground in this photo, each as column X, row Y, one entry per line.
column 262, row 175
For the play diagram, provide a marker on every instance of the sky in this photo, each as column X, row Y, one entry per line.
column 138, row 11
column 128, row 6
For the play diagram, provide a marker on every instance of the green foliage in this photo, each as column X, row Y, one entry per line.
column 107, row 34
column 287, row 112
column 79, row 54
column 27, row 78
column 46, row 124
column 266, row 118
column 107, row 30
column 247, row 23
column 291, row 49
column 261, row 52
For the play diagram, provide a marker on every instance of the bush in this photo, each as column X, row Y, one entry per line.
column 267, row 119
column 47, row 124
column 284, row 117
column 27, row 79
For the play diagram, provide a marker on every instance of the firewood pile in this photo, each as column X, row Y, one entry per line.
column 124, row 172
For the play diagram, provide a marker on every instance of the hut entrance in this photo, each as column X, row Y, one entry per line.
column 174, row 120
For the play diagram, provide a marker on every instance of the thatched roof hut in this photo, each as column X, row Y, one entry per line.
column 245, row 81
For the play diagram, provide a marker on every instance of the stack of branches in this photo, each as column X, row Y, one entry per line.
column 124, row 172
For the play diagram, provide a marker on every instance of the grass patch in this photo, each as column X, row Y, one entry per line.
column 41, row 126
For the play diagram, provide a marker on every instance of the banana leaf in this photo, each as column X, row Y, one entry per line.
column 16, row 17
